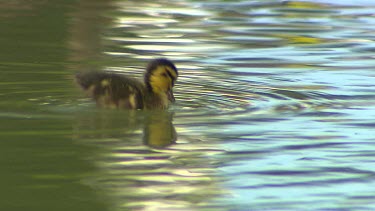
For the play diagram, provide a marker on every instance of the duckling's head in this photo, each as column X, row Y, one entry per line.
column 161, row 74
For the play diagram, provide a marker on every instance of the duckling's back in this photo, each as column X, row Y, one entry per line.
column 112, row 90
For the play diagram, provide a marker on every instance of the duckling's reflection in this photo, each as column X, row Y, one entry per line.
column 157, row 126
column 158, row 130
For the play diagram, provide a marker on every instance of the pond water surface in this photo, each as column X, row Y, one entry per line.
column 275, row 106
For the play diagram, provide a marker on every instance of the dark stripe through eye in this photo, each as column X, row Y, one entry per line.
column 170, row 75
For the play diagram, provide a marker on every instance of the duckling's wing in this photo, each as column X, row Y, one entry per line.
column 112, row 90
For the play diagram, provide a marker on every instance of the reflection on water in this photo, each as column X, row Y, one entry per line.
column 156, row 126
column 274, row 111
column 159, row 131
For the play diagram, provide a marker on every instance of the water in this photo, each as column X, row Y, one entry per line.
column 275, row 106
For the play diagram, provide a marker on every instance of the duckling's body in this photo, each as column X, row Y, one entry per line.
column 113, row 90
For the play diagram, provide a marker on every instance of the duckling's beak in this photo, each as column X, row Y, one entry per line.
column 170, row 96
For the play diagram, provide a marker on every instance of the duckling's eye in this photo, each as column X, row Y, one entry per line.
column 164, row 74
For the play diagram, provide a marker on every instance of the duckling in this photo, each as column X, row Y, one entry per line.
column 113, row 90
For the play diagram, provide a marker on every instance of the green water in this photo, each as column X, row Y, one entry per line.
column 275, row 106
